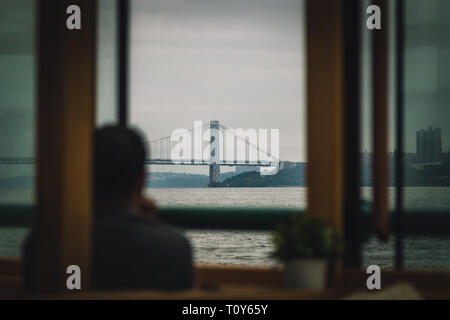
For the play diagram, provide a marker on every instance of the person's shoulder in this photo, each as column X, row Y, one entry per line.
column 155, row 223
column 157, row 229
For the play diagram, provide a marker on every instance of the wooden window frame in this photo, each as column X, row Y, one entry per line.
column 66, row 108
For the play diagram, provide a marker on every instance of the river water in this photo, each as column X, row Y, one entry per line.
column 254, row 248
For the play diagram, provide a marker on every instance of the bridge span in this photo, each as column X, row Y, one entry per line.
column 226, row 147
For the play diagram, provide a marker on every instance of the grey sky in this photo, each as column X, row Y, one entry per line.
column 240, row 62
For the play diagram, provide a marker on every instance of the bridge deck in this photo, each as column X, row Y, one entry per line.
column 160, row 162
column 206, row 163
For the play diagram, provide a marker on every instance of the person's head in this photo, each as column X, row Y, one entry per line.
column 119, row 157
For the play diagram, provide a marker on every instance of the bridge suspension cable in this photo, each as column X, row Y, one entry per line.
column 160, row 149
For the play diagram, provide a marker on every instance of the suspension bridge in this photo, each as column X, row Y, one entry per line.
column 211, row 144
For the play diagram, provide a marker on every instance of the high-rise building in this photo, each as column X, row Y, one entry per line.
column 429, row 145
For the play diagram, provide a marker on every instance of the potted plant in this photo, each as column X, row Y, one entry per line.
column 305, row 245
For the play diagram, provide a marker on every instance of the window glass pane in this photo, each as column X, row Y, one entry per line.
column 17, row 114
column 374, row 251
column 426, row 132
column 106, row 63
column 240, row 63
column 426, row 135
column 427, row 126
column 427, row 129
column 17, row 102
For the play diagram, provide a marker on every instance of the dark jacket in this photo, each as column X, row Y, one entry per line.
column 132, row 253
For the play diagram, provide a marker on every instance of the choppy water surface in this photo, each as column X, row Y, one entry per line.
column 254, row 248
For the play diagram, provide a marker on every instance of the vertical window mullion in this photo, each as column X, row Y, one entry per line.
column 123, row 22
column 352, row 203
column 398, row 222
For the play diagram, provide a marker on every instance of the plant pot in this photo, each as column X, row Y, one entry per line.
column 305, row 274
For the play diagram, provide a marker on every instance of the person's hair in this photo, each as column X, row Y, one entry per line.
column 119, row 160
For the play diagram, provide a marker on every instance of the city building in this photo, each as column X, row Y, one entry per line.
column 429, row 145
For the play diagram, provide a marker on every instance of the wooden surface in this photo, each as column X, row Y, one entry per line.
column 65, row 120
column 239, row 282
column 325, row 119
column 213, row 275
column 431, row 284
column 325, row 110
column 222, row 293
column 10, row 267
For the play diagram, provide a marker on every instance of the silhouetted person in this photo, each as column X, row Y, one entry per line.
column 131, row 248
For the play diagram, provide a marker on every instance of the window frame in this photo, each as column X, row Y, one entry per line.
column 416, row 223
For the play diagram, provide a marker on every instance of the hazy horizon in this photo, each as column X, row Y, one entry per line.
column 239, row 62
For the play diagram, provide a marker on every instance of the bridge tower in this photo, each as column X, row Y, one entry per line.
column 214, row 167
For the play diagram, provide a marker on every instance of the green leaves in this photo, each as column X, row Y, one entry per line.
column 306, row 238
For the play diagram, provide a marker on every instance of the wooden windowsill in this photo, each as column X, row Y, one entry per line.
column 243, row 282
column 222, row 293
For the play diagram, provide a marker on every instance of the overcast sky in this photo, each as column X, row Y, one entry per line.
column 240, row 62
column 237, row 61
